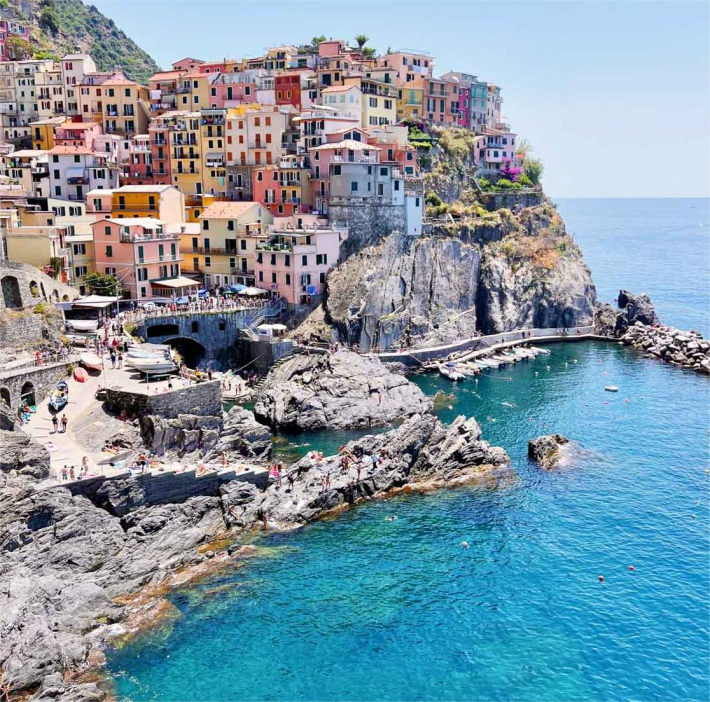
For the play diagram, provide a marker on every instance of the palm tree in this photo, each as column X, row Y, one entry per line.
column 361, row 40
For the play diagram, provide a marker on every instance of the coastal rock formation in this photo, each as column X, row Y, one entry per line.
column 242, row 437
column 682, row 348
column 493, row 274
column 632, row 309
column 421, row 453
column 336, row 390
column 547, row 450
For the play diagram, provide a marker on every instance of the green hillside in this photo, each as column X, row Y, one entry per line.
column 64, row 26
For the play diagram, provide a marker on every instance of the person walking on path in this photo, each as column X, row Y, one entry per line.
column 120, row 359
column 55, row 423
column 113, row 359
column 65, row 421
column 65, row 473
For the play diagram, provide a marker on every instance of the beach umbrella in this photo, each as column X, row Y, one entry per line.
column 80, row 375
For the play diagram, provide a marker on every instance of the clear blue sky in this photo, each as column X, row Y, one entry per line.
column 614, row 96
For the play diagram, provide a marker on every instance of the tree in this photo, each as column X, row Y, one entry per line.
column 19, row 49
column 524, row 148
column 102, row 284
column 361, row 40
column 49, row 20
column 317, row 40
column 533, row 169
column 368, row 52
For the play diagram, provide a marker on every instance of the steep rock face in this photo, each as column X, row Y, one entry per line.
column 495, row 274
column 403, row 290
column 422, row 452
column 336, row 390
column 521, row 294
column 242, row 437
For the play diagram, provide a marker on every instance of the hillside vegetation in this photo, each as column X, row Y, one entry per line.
column 63, row 26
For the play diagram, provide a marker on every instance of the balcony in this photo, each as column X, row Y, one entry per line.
column 257, row 145
column 179, row 154
column 182, row 89
column 150, row 236
column 354, row 159
column 249, row 272
column 191, row 171
column 159, row 142
column 78, row 180
column 212, row 121
column 153, row 209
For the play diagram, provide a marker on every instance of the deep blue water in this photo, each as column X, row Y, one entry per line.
column 360, row 608
column 657, row 246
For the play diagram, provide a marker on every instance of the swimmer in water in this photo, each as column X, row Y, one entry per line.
column 391, row 518
column 548, row 367
column 464, row 544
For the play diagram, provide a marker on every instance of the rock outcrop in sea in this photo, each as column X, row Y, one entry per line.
column 489, row 274
column 338, row 390
column 548, row 450
column 636, row 324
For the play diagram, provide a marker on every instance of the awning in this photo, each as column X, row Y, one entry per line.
column 95, row 301
column 215, row 156
column 179, row 282
column 251, row 291
column 75, row 172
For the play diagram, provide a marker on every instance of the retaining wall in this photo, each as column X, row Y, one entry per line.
column 203, row 399
column 42, row 378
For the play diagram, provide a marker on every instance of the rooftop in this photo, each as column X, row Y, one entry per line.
column 72, row 150
column 226, row 210
column 146, row 222
column 347, row 144
column 142, row 189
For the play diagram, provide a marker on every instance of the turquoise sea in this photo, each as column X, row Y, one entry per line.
column 360, row 608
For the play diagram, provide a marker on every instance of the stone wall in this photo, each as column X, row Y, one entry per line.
column 24, row 286
column 39, row 379
column 121, row 494
column 513, row 201
column 214, row 331
column 264, row 353
column 19, row 329
column 203, row 399
column 367, row 222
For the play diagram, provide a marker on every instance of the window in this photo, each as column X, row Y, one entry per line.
column 261, row 276
column 205, row 224
column 259, row 175
column 273, row 278
column 321, row 259
column 80, row 271
column 337, row 170
column 353, row 186
column 109, row 252
column 230, row 225
column 417, row 202
column 383, row 171
column 287, row 260
column 304, row 260
column 242, row 245
column 208, row 261
column 288, row 279
column 321, row 278
column 372, row 102
column 273, row 259
column 79, row 249
column 396, row 185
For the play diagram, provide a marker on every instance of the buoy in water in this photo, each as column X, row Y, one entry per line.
column 601, row 578
column 631, row 568
column 464, row 544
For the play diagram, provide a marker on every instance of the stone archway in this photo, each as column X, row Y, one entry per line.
column 5, row 397
column 27, row 394
column 192, row 352
column 11, row 293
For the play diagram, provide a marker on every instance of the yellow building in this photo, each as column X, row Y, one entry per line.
column 213, row 152
column 194, row 91
column 81, row 259
column 230, row 232
column 379, row 101
column 163, row 202
column 186, row 152
column 37, row 245
column 409, row 103
column 126, row 107
column 43, row 131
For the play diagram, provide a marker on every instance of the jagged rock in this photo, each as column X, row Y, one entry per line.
column 547, row 450
column 469, row 278
column 634, row 308
column 605, row 320
column 422, row 452
column 242, row 437
column 21, row 454
column 7, row 418
column 185, row 434
column 336, row 390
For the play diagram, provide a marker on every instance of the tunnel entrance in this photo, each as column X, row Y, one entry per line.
column 192, row 352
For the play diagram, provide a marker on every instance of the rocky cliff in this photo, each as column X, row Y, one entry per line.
column 336, row 390
column 489, row 274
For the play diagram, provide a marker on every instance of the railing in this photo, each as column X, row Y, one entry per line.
column 137, row 208
column 23, row 367
column 353, row 159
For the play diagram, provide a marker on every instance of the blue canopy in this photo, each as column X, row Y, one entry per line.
column 181, row 301
column 236, row 287
column 202, row 292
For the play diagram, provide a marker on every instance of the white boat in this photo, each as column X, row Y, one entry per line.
column 537, row 349
column 152, row 365
column 91, row 361
column 59, row 397
column 84, row 325
column 139, row 353
column 611, row 388
column 451, row 373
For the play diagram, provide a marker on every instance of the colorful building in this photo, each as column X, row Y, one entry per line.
column 75, row 170
column 227, row 244
column 283, row 188
column 296, row 256
column 163, row 202
column 143, row 253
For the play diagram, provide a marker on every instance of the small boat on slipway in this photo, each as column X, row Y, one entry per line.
column 450, row 373
column 59, row 397
column 154, row 365
column 91, row 361
column 84, row 325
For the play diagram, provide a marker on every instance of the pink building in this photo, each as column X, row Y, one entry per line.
column 8, row 29
column 232, row 89
column 136, row 163
column 143, row 253
column 77, row 134
column 296, row 258
column 441, row 101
